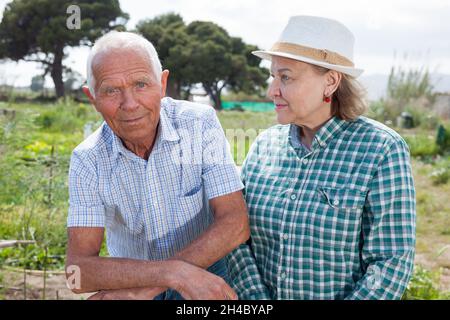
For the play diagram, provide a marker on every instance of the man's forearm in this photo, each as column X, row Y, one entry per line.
column 215, row 243
column 101, row 273
column 146, row 293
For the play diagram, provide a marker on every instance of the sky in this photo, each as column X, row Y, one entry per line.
column 410, row 33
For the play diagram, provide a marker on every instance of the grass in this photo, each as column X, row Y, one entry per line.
column 422, row 145
column 424, row 285
column 242, row 128
column 433, row 208
column 35, row 150
column 247, row 120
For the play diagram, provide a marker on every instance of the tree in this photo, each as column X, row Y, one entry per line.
column 203, row 52
column 73, row 82
column 168, row 34
column 36, row 30
column 37, row 83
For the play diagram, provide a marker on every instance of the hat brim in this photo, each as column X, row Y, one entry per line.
column 267, row 55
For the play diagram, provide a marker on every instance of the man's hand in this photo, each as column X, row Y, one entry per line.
column 194, row 283
column 128, row 294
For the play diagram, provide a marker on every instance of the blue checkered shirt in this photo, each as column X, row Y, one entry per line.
column 333, row 222
column 153, row 208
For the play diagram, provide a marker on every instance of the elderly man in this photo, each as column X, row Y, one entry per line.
column 158, row 176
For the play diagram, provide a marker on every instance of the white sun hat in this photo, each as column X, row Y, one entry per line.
column 319, row 41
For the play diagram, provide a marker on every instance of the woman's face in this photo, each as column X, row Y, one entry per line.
column 297, row 90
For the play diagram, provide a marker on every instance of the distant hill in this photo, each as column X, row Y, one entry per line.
column 376, row 84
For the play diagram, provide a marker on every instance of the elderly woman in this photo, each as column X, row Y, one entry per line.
column 330, row 193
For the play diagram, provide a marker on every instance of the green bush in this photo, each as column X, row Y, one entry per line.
column 421, row 146
column 441, row 172
column 443, row 139
column 423, row 286
column 33, row 257
column 422, row 117
column 440, row 176
column 408, row 90
column 65, row 116
column 59, row 119
column 406, row 85
column 34, row 160
column 377, row 111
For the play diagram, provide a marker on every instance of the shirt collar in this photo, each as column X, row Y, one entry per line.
column 330, row 129
column 294, row 136
column 166, row 128
column 166, row 132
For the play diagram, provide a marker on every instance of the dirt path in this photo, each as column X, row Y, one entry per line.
column 56, row 289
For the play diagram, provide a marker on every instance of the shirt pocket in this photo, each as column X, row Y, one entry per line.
column 337, row 217
column 344, row 199
column 191, row 180
column 190, row 205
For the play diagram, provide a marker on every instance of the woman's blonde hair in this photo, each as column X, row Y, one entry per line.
column 349, row 100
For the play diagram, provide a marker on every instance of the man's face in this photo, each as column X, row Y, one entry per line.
column 128, row 93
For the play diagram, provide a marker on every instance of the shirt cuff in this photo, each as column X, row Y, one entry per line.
column 80, row 216
column 222, row 179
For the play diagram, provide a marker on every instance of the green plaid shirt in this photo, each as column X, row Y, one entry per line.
column 334, row 222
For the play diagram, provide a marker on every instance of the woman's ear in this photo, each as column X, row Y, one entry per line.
column 333, row 79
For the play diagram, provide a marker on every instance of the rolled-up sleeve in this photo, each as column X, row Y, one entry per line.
column 85, row 206
column 389, row 221
column 219, row 171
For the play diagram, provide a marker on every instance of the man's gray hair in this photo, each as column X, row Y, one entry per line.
column 121, row 40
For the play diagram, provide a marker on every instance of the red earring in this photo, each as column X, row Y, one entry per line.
column 327, row 99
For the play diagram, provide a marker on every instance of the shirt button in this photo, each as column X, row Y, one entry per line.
column 336, row 202
column 305, row 161
column 293, row 197
column 285, row 236
column 323, row 145
column 283, row 275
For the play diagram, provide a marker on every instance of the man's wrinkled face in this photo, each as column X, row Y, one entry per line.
column 128, row 93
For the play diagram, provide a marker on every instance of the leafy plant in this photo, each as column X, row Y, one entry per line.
column 443, row 139
column 34, row 257
column 407, row 85
column 421, row 145
column 440, row 176
column 423, row 286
